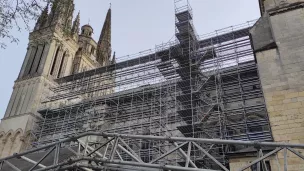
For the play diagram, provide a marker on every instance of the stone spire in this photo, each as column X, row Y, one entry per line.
column 69, row 14
column 104, row 42
column 62, row 14
column 76, row 23
column 42, row 20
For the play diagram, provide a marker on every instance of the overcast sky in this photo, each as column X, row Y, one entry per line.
column 137, row 25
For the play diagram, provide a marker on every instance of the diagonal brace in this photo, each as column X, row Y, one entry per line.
column 261, row 158
column 101, row 146
column 42, row 158
column 188, row 155
column 185, row 155
column 210, row 156
column 12, row 166
column 134, row 155
column 33, row 162
column 114, row 148
column 89, row 147
column 168, row 153
column 296, row 153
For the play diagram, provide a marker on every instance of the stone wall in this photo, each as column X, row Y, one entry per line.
column 269, row 4
column 281, row 72
column 238, row 162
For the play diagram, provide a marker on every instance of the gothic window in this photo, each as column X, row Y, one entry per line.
column 61, row 66
column 54, row 62
column 40, row 58
column 32, row 62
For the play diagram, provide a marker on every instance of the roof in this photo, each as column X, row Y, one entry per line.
column 87, row 25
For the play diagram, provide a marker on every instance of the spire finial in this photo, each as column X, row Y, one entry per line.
column 113, row 61
column 89, row 22
column 110, row 5
column 76, row 23
column 42, row 18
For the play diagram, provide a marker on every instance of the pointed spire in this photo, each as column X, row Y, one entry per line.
column 42, row 18
column 104, row 43
column 76, row 23
column 70, row 10
column 113, row 61
column 62, row 13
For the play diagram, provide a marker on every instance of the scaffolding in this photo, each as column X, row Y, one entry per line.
column 194, row 87
column 74, row 154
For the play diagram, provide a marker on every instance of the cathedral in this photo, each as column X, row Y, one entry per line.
column 229, row 100
column 57, row 48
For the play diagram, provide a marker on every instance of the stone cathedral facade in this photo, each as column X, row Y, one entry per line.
column 57, row 48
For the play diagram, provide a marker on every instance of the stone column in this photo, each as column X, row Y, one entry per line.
column 30, row 60
column 11, row 102
column 57, row 64
column 48, row 53
column 16, row 101
column 7, row 146
column 64, row 65
column 2, row 143
column 26, row 59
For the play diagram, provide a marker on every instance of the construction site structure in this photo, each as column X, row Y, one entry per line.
column 227, row 100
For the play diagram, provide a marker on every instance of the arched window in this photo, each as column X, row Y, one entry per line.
column 61, row 65
column 54, row 62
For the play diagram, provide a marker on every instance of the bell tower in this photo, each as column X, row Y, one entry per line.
column 50, row 52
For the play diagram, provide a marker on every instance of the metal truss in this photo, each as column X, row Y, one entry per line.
column 109, row 151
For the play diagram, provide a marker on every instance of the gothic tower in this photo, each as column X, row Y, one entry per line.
column 52, row 45
column 55, row 49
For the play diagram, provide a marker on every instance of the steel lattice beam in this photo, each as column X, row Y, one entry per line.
column 119, row 143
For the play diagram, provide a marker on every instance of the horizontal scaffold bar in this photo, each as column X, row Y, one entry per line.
column 164, row 138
